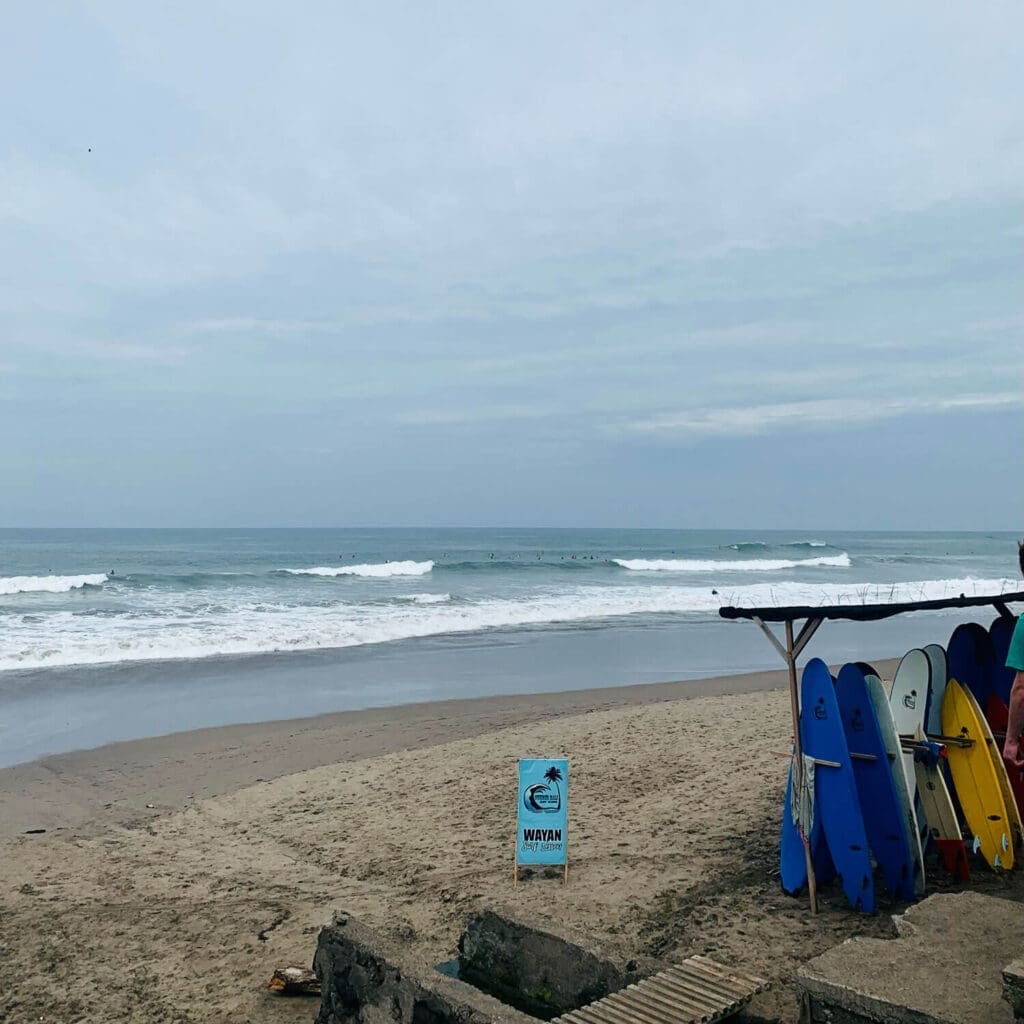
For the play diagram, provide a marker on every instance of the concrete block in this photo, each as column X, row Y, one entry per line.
column 365, row 980
column 1013, row 988
column 543, row 974
column 945, row 967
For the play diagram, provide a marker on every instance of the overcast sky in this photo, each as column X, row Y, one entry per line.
column 473, row 263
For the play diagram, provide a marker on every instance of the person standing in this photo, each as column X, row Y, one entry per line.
column 1012, row 751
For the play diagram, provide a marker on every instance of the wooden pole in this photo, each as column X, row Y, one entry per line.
column 798, row 762
column 515, row 837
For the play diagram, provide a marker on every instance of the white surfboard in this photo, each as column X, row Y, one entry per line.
column 908, row 698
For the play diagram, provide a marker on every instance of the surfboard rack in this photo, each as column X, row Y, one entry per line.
column 818, row 761
column 812, row 618
column 952, row 741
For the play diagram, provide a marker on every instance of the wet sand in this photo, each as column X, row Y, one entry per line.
column 108, row 783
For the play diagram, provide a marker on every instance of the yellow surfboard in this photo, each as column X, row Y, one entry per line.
column 975, row 779
column 999, row 765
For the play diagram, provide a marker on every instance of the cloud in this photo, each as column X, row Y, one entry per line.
column 235, row 325
column 378, row 223
column 478, row 414
column 741, row 421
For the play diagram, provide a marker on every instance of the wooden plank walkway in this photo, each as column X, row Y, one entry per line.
column 697, row 991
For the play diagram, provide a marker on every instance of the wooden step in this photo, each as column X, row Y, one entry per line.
column 697, row 991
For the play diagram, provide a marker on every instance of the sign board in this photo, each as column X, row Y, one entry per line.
column 542, row 835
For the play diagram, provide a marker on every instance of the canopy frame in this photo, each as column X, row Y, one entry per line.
column 794, row 647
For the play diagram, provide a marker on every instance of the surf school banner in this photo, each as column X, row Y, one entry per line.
column 542, row 835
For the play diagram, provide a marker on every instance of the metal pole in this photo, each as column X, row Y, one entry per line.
column 798, row 761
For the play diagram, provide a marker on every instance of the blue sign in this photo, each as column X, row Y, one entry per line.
column 542, row 834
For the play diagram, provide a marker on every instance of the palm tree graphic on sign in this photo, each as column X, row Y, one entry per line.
column 554, row 776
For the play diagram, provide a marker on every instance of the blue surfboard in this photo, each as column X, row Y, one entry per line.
column 792, row 860
column 1001, row 632
column 835, row 789
column 970, row 658
column 880, row 803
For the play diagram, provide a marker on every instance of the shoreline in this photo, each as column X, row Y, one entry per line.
column 143, row 778
column 47, row 712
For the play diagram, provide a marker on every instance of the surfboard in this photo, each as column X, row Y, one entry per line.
column 974, row 776
column 943, row 826
column 970, row 660
column 835, row 789
column 997, row 711
column 933, row 716
column 1010, row 796
column 880, row 805
column 936, row 688
column 792, row 861
column 908, row 700
column 883, row 713
column 1000, row 633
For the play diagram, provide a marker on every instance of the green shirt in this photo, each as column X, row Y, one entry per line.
column 1015, row 655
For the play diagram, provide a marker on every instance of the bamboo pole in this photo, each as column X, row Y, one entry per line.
column 798, row 764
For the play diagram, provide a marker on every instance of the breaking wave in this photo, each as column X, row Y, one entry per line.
column 841, row 561
column 251, row 628
column 756, row 545
column 49, row 584
column 379, row 569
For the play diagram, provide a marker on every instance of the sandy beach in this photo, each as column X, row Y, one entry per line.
column 175, row 874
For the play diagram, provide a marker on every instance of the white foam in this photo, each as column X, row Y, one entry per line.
column 425, row 598
column 63, row 638
column 841, row 561
column 381, row 569
column 48, row 584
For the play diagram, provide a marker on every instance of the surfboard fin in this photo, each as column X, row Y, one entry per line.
column 1006, row 843
column 976, row 846
column 997, row 863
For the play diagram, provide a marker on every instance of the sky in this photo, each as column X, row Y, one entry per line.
column 383, row 264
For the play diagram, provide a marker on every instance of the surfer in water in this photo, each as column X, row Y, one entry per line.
column 1015, row 659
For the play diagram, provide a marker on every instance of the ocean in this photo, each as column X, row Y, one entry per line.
column 116, row 634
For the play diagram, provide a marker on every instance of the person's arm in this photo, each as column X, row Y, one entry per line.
column 1015, row 726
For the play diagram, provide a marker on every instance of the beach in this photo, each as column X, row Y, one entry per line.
column 175, row 874
column 209, row 749
column 435, row 437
